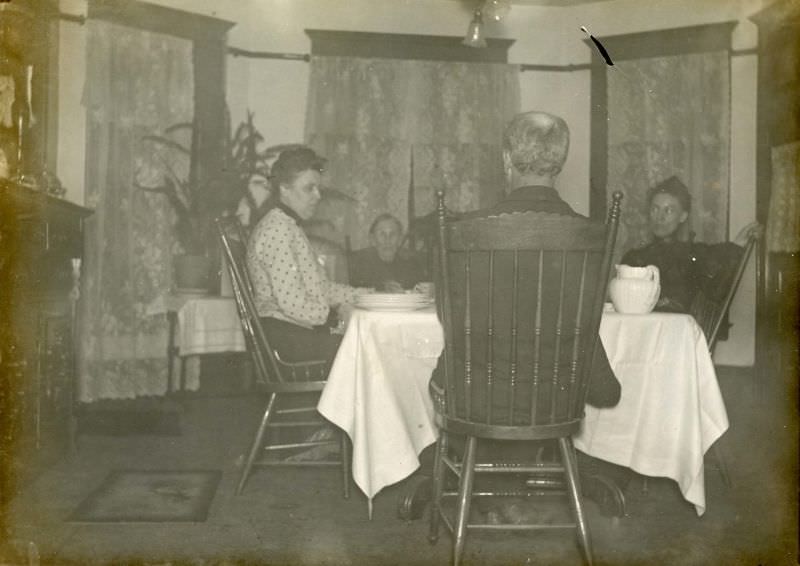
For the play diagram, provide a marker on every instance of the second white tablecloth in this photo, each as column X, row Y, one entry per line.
column 671, row 410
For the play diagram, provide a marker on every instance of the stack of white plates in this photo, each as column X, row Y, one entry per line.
column 393, row 301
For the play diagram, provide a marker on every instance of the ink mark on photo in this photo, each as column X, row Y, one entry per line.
column 600, row 48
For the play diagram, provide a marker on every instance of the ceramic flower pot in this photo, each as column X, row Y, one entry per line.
column 192, row 272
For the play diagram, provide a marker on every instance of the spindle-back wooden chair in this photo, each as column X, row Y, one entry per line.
column 279, row 379
column 520, row 297
column 711, row 314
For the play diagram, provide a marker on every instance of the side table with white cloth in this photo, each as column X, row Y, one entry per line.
column 377, row 392
column 671, row 410
column 199, row 325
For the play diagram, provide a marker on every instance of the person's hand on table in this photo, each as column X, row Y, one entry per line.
column 391, row 287
column 669, row 305
column 344, row 311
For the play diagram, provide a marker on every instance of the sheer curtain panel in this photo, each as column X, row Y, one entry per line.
column 138, row 83
column 368, row 116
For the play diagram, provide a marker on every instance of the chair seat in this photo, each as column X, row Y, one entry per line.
column 501, row 432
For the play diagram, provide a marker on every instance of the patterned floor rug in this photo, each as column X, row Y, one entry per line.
column 150, row 496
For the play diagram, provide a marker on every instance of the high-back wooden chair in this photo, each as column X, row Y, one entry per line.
column 520, row 297
column 711, row 314
column 279, row 379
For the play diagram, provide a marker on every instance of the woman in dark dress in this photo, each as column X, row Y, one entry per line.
column 685, row 266
column 384, row 265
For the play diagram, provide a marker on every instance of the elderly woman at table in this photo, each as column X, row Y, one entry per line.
column 685, row 266
column 384, row 265
column 292, row 293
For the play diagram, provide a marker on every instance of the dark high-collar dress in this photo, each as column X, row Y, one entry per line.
column 367, row 269
column 687, row 267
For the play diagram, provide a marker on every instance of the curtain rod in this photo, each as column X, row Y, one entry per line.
column 587, row 66
column 558, row 68
column 236, row 52
column 74, row 18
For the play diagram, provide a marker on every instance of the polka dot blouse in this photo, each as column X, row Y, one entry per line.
column 289, row 282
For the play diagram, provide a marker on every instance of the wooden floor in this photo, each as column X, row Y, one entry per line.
column 299, row 516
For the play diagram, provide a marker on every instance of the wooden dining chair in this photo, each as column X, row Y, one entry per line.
column 520, row 297
column 711, row 314
column 285, row 383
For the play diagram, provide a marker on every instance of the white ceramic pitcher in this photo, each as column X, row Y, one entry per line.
column 635, row 290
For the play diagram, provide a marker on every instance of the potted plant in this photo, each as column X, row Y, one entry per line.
column 198, row 203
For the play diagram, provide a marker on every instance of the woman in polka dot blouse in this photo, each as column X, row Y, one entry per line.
column 292, row 293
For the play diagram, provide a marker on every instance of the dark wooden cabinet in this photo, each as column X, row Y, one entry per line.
column 41, row 249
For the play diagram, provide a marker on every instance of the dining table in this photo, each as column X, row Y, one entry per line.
column 670, row 412
column 377, row 392
column 671, row 409
column 199, row 324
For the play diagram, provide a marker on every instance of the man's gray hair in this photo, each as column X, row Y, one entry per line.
column 537, row 142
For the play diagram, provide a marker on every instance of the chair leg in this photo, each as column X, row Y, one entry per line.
column 345, row 451
column 722, row 464
column 438, row 487
column 258, row 442
column 464, row 498
column 571, row 468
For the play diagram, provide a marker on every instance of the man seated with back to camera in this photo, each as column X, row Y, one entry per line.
column 535, row 147
column 384, row 265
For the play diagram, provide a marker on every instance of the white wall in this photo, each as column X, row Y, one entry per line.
column 276, row 90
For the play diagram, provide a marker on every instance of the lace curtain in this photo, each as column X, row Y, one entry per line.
column 367, row 116
column 137, row 83
column 783, row 221
column 670, row 116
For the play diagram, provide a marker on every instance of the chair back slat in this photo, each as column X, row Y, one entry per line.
column 577, row 334
column 443, row 305
column 710, row 312
column 555, row 382
column 514, row 336
column 490, row 341
column 468, row 338
column 520, row 298
column 537, row 337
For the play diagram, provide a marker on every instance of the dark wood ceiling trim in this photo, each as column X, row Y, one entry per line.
column 662, row 43
column 187, row 25
column 405, row 46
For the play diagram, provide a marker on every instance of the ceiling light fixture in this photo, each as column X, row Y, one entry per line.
column 474, row 37
column 494, row 10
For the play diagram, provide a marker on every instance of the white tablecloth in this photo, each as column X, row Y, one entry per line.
column 205, row 325
column 377, row 392
column 209, row 325
column 671, row 410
